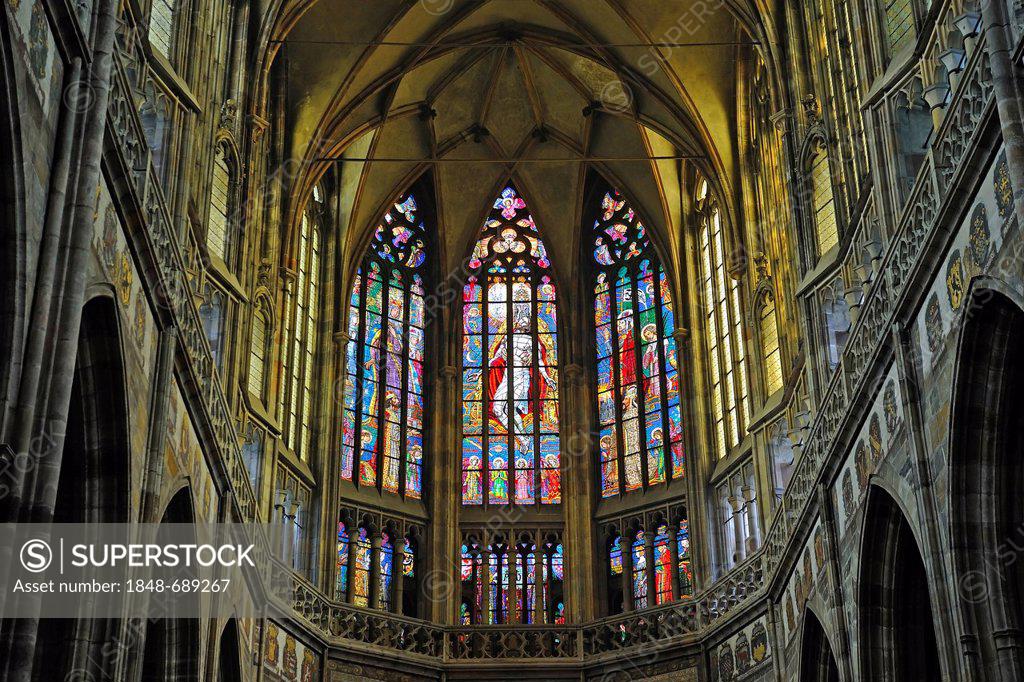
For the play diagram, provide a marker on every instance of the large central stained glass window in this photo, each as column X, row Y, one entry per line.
column 510, row 445
column 641, row 434
column 382, row 421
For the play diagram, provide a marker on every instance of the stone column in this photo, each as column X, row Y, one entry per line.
column 673, row 556
column 538, row 578
column 443, row 539
column 750, row 545
column 737, row 526
column 652, row 586
column 627, row 572
column 375, row 543
column 512, row 557
column 485, row 582
column 350, row 589
column 397, row 577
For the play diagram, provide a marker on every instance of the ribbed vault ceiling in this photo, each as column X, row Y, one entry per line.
column 488, row 81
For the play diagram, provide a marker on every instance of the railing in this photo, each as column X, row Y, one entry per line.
column 916, row 224
column 670, row 624
column 171, row 285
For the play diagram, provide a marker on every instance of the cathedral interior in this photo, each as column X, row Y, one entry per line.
column 560, row 339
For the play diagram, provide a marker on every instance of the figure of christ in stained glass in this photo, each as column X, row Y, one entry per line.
column 510, row 448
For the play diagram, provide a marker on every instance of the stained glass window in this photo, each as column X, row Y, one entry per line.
column 615, row 556
column 342, row 582
column 384, row 359
column 637, row 362
column 723, row 315
column 639, row 572
column 361, row 572
column 553, row 576
column 685, row 567
column 526, row 580
column 409, row 560
column 662, row 566
column 518, row 580
column 510, row 445
column 387, row 571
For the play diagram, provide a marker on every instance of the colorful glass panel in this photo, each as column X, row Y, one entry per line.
column 342, row 580
column 409, row 560
column 639, row 557
column 641, row 436
column 685, row 565
column 511, row 452
column 361, row 574
column 385, row 352
column 387, row 571
column 662, row 566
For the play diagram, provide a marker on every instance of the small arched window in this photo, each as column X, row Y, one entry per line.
column 302, row 301
column 771, row 354
column 826, row 229
column 161, row 26
column 219, row 234
column 640, row 597
column 258, row 354
column 721, row 300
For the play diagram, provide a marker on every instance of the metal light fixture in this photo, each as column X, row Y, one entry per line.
column 968, row 23
column 936, row 95
column 953, row 59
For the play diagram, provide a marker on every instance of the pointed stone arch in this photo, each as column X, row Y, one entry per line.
column 817, row 659
column 986, row 450
column 898, row 639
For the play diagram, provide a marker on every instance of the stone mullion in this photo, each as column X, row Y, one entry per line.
column 538, row 578
column 353, row 553
column 398, row 573
column 485, row 580
column 652, row 587
column 673, row 555
column 626, row 545
column 375, row 554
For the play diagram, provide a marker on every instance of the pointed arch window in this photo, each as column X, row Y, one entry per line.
column 771, row 353
column 382, row 416
column 510, row 446
column 219, row 233
column 258, row 353
column 640, row 597
column 360, row 575
column 826, row 230
column 387, row 571
column 637, row 363
column 341, row 585
column 302, row 302
column 723, row 314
